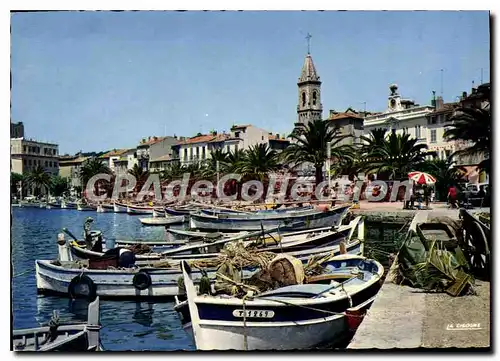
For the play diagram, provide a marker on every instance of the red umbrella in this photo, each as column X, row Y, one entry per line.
column 421, row 178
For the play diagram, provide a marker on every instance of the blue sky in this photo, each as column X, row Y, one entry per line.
column 94, row 81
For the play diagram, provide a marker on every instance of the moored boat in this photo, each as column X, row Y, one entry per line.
column 65, row 275
column 105, row 208
column 86, row 208
column 306, row 219
column 299, row 316
column 131, row 209
column 61, row 337
column 162, row 221
column 119, row 208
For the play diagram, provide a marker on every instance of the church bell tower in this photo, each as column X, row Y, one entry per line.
column 309, row 106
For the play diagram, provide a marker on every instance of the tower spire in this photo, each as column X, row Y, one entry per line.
column 308, row 38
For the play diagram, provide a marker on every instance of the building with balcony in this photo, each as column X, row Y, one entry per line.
column 126, row 161
column 69, row 168
column 349, row 122
column 111, row 157
column 154, row 147
column 402, row 116
column 241, row 137
column 26, row 154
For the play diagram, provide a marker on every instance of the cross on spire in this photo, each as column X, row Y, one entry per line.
column 308, row 38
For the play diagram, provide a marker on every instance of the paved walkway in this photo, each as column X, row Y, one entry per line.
column 405, row 317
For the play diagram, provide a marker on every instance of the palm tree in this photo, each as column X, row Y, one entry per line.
column 140, row 176
column 472, row 125
column 310, row 146
column 173, row 171
column 15, row 178
column 396, row 156
column 208, row 168
column 58, row 185
column 446, row 173
column 234, row 160
column 90, row 168
column 38, row 178
column 258, row 161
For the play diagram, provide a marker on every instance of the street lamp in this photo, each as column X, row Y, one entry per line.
column 328, row 155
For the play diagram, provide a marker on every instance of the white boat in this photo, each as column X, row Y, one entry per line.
column 294, row 317
column 66, row 276
column 174, row 234
column 159, row 212
column 306, row 219
column 56, row 337
column 86, row 208
column 105, row 208
column 162, row 221
column 131, row 209
column 119, row 208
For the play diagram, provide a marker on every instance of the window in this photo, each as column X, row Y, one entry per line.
column 417, row 132
column 433, row 120
column 237, row 134
column 314, row 98
column 433, row 136
column 303, row 99
column 29, row 161
column 46, row 163
column 262, row 137
column 185, row 153
column 203, row 152
column 24, row 149
column 236, row 147
column 197, row 152
column 55, row 164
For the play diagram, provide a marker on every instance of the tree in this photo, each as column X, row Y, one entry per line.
column 38, row 178
column 90, row 168
column 258, row 161
column 173, row 171
column 445, row 172
column 140, row 176
column 310, row 146
column 472, row 125
column 59, row 185
column 15, row 178
column 395, row 157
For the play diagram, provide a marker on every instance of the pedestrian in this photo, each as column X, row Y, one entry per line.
column 452, row 196
column 333, row 194
column 355, row 194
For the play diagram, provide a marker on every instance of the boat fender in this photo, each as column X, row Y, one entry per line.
column 86, row 282
column 141, row 280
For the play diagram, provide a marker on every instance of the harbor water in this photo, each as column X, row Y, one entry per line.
column 127, row 325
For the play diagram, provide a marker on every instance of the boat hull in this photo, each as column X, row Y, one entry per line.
column 295, row 222
column 118, row 283
column 162, row 221
column 119, row 208
column 139, row 210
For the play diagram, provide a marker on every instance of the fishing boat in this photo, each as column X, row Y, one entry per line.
column 228, row 222
column 86, row 208
column 162, row 221
column 119, row 208
column 65, row 276
column 105, row 208
column 300, row 316
column 61, row 337
column 54, row 205
column 68, row 205
column 257, row 212
column 131, row 209
column 180, row 211
column 158, row 212
column 174, row 234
